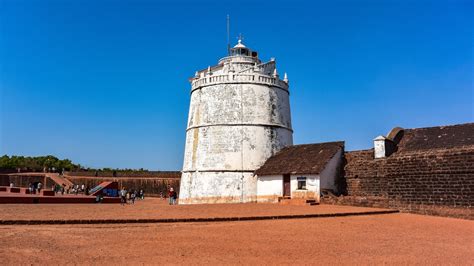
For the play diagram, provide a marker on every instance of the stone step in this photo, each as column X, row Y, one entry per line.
column 284, row 198
column 299, row 202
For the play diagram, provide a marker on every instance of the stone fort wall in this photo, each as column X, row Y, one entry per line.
column 434, row 182
column 153, row 183
column 23, row 180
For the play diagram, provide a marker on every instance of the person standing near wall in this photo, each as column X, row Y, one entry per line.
column 123, row 196
column 175, row 197
column 133, row 195
column 172, row 196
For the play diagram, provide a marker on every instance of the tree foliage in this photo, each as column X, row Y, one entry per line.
column 53, row 164
column 36, row 164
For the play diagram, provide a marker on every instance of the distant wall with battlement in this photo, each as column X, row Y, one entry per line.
column 153, row 184
column 24, row 180
column 143, row 174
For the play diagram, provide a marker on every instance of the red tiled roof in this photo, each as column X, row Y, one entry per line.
column 437, row 137
column 301, row 159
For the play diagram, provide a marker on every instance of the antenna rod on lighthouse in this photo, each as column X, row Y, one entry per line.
column 228, row 35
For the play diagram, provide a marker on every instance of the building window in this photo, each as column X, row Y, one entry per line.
column 301, row 182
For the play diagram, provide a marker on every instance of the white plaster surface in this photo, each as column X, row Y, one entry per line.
column 217, row 187
column 234, row 148
column 312, row 187
column 379, row 147
column 269, row 188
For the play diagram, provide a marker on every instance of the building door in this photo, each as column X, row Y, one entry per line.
column 286, row 186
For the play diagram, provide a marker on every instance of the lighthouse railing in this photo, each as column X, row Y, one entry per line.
column 256, row 78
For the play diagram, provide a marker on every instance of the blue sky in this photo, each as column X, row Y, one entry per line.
column 104, row 83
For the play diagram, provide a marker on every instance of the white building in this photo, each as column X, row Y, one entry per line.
column 301, row 172
column 239, row 116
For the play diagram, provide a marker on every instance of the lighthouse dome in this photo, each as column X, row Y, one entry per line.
column 241, row 50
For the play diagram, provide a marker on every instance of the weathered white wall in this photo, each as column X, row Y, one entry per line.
column 217, row 187
column 329, row 173
column 233, row 148
column 239, row 103
column 379, row 147
column 312, row 190
column 236, row 122
column 269, row 188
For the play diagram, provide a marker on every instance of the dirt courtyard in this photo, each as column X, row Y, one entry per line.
column 389, row 239
column 156, row 208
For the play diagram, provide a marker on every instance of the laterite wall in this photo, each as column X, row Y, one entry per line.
column 22, row 180
column 437, row 181
column 152, row 186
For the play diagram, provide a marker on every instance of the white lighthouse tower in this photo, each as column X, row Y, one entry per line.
column 239, row 116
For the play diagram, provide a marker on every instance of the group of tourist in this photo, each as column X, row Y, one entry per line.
column 33, row 188
column 74, row 189
column 59, row 189
column 172, row 196
column 129, row 197
column 126, row 196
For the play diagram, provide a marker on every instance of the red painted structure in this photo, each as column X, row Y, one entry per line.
column 17, row 195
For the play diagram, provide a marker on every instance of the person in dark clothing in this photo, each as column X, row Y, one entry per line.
column 123, row 196
column 133, row 195
column 172, row 196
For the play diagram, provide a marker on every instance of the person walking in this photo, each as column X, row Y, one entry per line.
column 123, row 196
column 172, row 196
column 39, row 187
column 133, row 195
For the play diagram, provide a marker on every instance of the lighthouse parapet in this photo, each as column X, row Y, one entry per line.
column 254, row 78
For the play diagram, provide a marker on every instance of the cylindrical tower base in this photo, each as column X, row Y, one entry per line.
column 217, row 187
